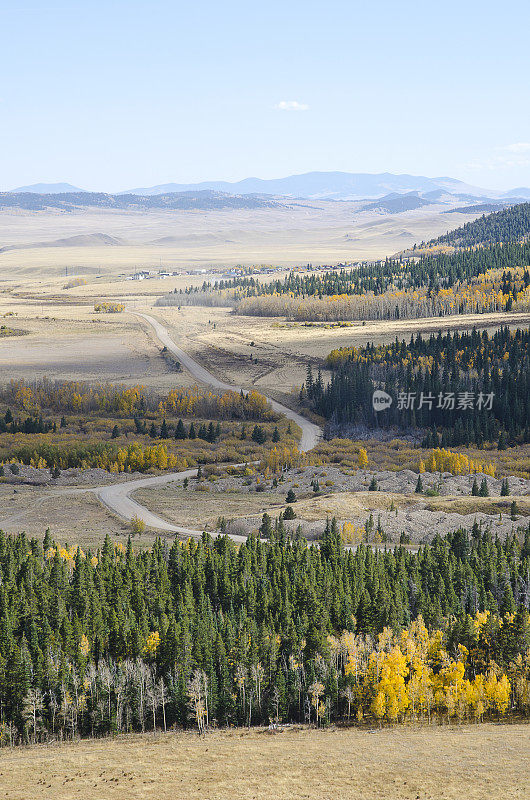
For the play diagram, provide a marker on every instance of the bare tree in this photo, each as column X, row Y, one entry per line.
column 32, row 711
column 198, row 699
column 161, row 689
column 349, row 696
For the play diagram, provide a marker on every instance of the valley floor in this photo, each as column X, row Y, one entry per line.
column 437, row 763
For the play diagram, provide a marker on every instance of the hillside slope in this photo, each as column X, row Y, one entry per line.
column 512, row 224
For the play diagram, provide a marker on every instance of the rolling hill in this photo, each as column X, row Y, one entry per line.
column 181, row 201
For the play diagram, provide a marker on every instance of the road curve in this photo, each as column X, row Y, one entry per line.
column 311, row 433
column 117, row 496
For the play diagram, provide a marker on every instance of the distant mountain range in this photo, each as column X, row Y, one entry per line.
column 47, row 188
column 318, row 186
column 329, row 186
column 174, row 201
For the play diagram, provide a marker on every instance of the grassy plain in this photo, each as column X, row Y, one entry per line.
column 37, row 244
column 476, row 762
column 74, row 517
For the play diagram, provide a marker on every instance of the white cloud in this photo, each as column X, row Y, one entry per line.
column 518, row 147
column 516, row 154
column 291, row 105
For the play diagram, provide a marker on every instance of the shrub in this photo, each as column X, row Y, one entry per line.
column 138, row 525
column 109, row 308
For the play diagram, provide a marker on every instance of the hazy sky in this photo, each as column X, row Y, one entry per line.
column 111, row 95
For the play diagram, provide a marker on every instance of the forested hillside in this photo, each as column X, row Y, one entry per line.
column 116, row 640
column 463, row 387
column 509, row 225
column 487, row 279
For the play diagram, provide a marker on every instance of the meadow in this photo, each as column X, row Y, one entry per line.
column 429, row 762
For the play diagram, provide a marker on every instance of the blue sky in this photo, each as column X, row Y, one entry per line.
column 111, row 95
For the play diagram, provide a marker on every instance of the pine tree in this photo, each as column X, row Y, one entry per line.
column 484, row 490
column 259, row 435
column 266, row 527
column 180, row 430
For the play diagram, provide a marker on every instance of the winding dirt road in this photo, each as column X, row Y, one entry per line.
column 117, row 498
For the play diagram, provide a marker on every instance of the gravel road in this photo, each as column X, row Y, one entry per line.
column 117, row 497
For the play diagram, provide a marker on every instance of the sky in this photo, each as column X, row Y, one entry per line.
column 110, row 95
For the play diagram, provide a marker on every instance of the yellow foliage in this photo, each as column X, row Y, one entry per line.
column 442, row 460
column 152, row 644
column 363, row 458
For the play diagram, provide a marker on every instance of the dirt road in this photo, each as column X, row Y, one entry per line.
column 117, row 498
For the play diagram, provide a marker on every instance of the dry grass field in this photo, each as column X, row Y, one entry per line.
column 69, row 341
column 281, row 351
column 467, row 762
column 76, row 518
column 421, row 517
column 66, row 339
column 35, row 244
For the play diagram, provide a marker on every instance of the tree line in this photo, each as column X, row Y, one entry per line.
column 196, row 632
column 429, row 379
column 77, row 397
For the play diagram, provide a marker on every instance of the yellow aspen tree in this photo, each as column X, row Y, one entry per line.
column 362, row 459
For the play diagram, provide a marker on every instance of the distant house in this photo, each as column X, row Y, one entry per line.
column 139, row 276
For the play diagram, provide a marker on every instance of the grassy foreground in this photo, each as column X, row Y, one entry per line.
column 437, row 763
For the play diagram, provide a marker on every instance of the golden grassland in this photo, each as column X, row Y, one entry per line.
column 315, row 231
column 474, row 762
column 76, row 517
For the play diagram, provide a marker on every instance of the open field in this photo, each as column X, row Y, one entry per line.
column 34, row 508
column 281, row 350
column 67, row 340
column 72, row 342
column 74, row 517
column 36, row 243
column 443, row 763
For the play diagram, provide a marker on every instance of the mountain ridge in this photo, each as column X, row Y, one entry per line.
column 47, row 188
column 313, row 186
